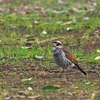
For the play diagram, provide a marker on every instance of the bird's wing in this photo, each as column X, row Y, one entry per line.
column 73, row 59
column 70, row 56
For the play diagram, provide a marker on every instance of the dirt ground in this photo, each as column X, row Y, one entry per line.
column 25, row 81
column 68, row 81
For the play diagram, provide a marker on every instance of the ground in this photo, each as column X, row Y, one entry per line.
column 27, row 69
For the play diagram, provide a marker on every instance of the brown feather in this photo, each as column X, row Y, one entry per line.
column 73, row 59
column 70, row 56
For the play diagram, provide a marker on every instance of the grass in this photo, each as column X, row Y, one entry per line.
column 22, row 24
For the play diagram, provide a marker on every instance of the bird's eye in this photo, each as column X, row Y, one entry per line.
column 57, row 44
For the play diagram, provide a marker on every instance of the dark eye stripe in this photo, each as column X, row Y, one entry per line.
column 54, row 42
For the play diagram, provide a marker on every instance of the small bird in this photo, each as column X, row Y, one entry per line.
column 63, row 58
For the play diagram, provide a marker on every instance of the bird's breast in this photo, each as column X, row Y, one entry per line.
column 60, row 59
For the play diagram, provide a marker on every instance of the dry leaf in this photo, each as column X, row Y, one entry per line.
column 97, row 58
column 1, row 21
column 98, row 51
column 0, row 41
column 93, row 42
column 30, row 88
column 3, row 94
column 44, row 32
column 24, row 80
column 33, row 97
column 92, row 96
column 22, row 92
column 62, row 1
column 39, row 57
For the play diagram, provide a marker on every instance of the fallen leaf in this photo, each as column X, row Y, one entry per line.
column 24, row 80
column 39, row 57
column 75, row 9
column 88, row 82
column 98, row 51
column 59, row 22
column 97, row 58
column 68, row 28
column 1, row 97
column 1, row 21
column 36, row 22
column 58, row 12
column 24, row 47
column 22, row 92
column 29, row 88
column 93, row 42
column 30, row 25
column 86, row 18
column 0, row 41
column 33, row 97
column 95, row 4
column 62, row 1
column 51, row 88
column 44, row 32
column 3, row 94
column 92, row 96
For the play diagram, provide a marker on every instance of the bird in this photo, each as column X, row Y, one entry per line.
column 63, row 58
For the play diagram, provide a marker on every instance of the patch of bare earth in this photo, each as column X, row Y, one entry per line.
column 12, row 76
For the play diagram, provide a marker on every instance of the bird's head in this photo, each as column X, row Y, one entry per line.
column 57, row 44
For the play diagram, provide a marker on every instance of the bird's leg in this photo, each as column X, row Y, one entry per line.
column 68, row 70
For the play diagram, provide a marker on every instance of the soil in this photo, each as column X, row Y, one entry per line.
column 12, row 76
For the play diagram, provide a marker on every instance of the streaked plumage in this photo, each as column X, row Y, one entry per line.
column 62, row 57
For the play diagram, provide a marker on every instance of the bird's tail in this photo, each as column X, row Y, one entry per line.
column 81, row 69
